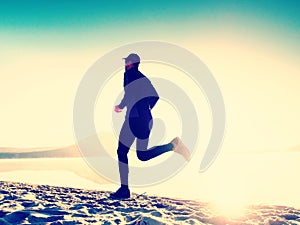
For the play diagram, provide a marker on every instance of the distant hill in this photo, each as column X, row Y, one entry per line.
column 11, row 153
column 71, row 151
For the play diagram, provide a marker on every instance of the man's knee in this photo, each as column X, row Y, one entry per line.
column 122, row 152
column 142, row 155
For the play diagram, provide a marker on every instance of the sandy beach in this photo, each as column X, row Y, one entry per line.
column 22, row 203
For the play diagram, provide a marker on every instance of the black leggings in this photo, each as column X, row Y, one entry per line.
column 139, row 129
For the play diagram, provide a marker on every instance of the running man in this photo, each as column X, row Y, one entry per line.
column 140, row 97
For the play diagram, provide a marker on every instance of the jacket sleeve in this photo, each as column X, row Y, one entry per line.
column 124, row 101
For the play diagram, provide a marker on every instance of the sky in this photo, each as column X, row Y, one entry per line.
column 251, row 47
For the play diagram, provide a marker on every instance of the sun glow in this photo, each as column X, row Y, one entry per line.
column 230, row 206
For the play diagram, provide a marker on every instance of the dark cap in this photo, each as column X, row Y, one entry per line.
column 134, row 58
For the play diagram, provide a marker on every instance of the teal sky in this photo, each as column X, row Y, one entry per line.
column 85, row 24
column 48, row 45
column 73, row 16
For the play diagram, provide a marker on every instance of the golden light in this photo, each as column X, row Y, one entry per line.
column 230, row 204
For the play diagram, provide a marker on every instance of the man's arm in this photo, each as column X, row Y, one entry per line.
column 123, row 102
column 118, row 108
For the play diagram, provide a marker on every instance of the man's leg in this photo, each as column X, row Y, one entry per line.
column 145, row 154
column 126, row 139
column 142, row 128
column 123, row 164
column 143, row 132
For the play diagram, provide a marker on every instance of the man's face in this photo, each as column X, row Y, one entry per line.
column 128, row 65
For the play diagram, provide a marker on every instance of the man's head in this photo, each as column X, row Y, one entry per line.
column 132, row 61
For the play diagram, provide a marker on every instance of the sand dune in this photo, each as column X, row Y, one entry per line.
column 42, row 204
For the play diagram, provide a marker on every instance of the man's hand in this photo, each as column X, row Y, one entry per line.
column 117, row 109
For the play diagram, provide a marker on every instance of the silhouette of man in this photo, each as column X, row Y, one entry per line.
column 140, row 97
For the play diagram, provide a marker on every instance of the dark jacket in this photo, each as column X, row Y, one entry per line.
column 140, row 95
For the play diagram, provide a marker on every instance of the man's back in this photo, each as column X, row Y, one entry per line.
column 140, row 95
